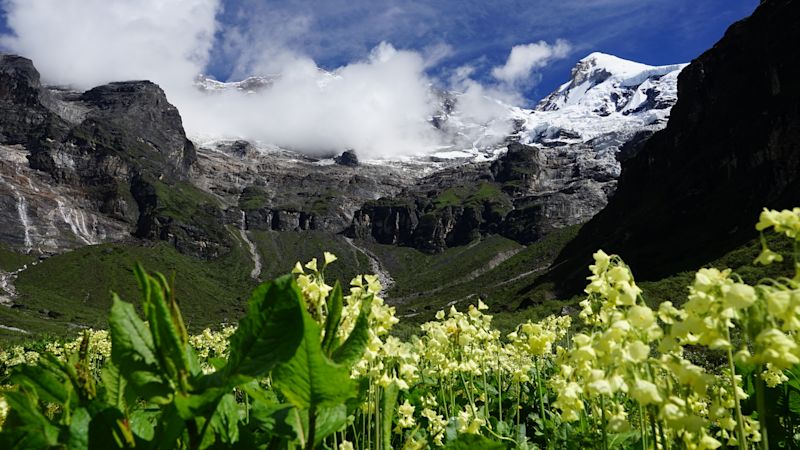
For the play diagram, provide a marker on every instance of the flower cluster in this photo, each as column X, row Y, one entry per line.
column 623, row 372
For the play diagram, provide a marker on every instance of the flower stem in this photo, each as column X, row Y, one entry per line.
column 739, row 417
column 540, row 394
column 762, row 411
column 643, row 428
column 604, row 424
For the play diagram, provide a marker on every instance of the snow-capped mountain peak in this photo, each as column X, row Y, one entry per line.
column 607, row 83
column 248, row 85
column 610, row 64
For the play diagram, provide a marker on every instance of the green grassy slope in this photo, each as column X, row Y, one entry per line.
column 11, row 261
column 66, row 292
column 72, row 290
column 69, row 291
column 281, row 250
column 461, row 275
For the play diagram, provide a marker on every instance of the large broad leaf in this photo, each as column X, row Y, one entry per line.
column 224, row 425
column 329, row 421
column 270, row 332
column 133, row 352
column 79, row 430
column 143, row 423
column 114, row 384
column 48, row 380
column 353, row 348
column 166, row 326
column 26, row 427
column 310, row 379
column 335, row 305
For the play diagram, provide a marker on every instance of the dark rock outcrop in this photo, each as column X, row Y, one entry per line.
column 732, row 146
column 23, row 114
column 525, row 194
column 97, row 147
column 423, row 225
column 347, row 158
column 138, row 118
column 519, row 169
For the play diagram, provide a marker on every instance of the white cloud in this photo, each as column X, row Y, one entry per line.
column 436, row 53
column 524, row 59
column 89, row 42
column 379, row 105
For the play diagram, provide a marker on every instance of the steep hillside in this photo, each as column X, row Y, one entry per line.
column 91, row 182
column 732, row 147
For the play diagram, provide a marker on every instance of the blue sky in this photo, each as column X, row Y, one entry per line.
column 482, row 33
column 465, row 32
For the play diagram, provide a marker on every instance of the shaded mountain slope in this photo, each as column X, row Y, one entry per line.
column 731, row 147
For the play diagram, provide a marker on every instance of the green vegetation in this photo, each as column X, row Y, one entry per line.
column 278, row 248
column 494, row 269
column 253, row 198
column 70, row 291
column 214, row 290
column 673, row 288
column 147, row 388
column 470, row 196
column 11, row 261
column 309, row 367
column 183, row 201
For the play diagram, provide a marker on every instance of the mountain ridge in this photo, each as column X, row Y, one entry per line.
column 731, row 148
column 111, row 170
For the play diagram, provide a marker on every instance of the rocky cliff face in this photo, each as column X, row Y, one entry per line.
column 525, row 194
column 21, row 106
column 732, row 147
column 73, row 165
column 284, row 191
column 560, row 168
column 118, row 158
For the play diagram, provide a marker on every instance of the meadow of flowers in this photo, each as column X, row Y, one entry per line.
column 313, row 365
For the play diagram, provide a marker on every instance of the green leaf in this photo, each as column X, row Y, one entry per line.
column 310, row 378
column 25, row 426
column 134, row 353
column 110, row 429
column 114, row 384
column 79, row 430
column 329, row 421
column 277, row 420
column 793, row 401
column 132, row 344
column 168, row 334
column 259, row 394
column 224, row 426
column 353, row 348
column 270, row 332
column 335, row 305
column 217, row 363
column 48, row 380
column 199, row 404
column 143, row 423
column 389, row 400
column 170, row 427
